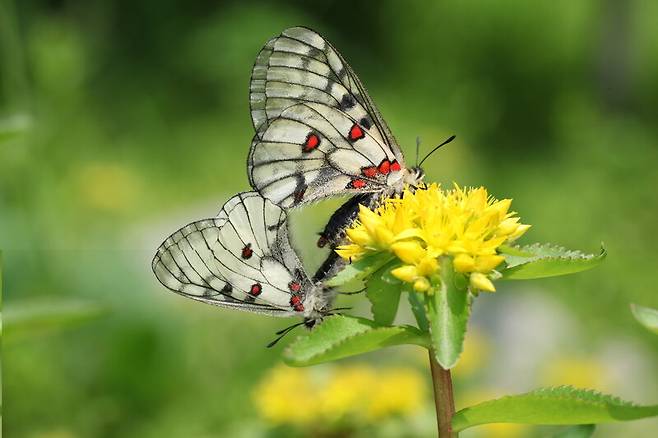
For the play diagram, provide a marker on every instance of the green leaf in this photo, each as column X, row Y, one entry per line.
column 447, row 310
column 580, row 431
column 646, row 316
column 360, row 269
column 552, row 406
column 384, row 294
column 418, row 309
column 31, row 318
column 546, row 260
column 342, row 336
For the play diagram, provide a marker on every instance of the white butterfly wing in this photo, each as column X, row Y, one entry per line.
column 285, row 163
column 313, row 151
column 240, row 259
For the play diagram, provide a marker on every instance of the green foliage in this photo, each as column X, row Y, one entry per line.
column 552, row 406
column 546, row 260
column 360, row 269
column 447, row 309
column 383, row 291
column 142, row 89
column 14, row 126
column 32, row 318
column 646, row 316
column 579, row 431
column 342, row 336
column 418, row 308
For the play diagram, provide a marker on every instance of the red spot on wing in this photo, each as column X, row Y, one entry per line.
column 395, row 166
column 256, row 289
column 384, row 167
column 296, row 303
column 312, row 141
column 356, row 184
column 247, row 252
column 369, row 172
column 356, row 133
column 294, row 286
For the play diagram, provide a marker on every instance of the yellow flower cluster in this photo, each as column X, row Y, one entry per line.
column 305, row 397
column 423, row 225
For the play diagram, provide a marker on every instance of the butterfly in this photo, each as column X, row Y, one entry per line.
column 318, row 132
column 242, row 259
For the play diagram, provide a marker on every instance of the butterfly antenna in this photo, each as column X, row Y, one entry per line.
column 417, row 149
column 282, row 333
column 340, row 308
column 353, row 293
column 452, row 137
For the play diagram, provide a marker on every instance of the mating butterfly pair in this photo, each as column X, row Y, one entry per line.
column 318, row 135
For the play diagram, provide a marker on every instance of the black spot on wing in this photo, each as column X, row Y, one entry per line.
column 346, row 102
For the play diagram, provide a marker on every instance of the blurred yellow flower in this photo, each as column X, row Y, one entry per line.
column 351, row 393
column 107, row 186
column 427, row 223
column 579, row 372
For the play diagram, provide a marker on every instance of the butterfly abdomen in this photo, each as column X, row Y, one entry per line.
column 334, row 231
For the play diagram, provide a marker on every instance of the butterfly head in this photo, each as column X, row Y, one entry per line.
column 414, row 176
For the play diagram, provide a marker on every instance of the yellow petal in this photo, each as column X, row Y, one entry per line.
column 486, row 263
column 520, row 231
column 508, row 226
column 384, row 236
column 405, row 273
column 421, row 284
column 369, row 219
column 349, row 252
column 409, row 233
column 501, row 207
column 463, row 263
column 359, row 236
column 481, row 282
column 410, row 252
column 428, row 266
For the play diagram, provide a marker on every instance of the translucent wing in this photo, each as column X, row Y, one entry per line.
column 299, row 66
column 240, row 259
column 313, row 151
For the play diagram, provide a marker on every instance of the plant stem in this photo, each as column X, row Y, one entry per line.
column 443, row 398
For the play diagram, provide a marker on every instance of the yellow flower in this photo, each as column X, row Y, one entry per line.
column 336, row 395
column 427, row 223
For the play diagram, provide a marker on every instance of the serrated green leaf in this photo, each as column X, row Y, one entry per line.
column 646, row 316
column 383, row 291
column 447, row 310
column 540, row 261
column 580, row 431
column 342, row 336
column 31, row 318
column 360, row 269
column 563, row 405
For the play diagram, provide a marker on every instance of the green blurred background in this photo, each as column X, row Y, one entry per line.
column 122, row 121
